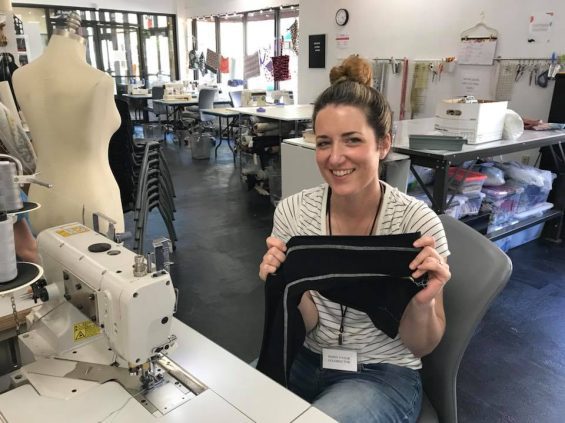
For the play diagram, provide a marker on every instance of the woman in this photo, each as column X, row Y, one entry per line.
column 352, row 123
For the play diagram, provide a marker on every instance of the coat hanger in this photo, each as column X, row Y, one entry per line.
column 468, row 33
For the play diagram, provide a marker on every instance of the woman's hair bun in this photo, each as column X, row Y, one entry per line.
column 353, row 69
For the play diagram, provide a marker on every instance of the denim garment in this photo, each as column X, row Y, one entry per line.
column 376, row 393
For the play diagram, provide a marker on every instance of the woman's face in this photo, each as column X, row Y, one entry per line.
column 347, row 151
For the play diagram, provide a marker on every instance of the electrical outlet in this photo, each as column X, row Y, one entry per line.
column 525, row 160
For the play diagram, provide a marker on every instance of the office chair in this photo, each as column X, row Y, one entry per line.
column 235, row 97
column 198, row 121
column 467, row 297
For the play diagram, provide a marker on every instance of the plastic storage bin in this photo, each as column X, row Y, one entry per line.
column 503, row 203
column 472, row 205
column 464, row 180
column 454, row 209
column 520, row 238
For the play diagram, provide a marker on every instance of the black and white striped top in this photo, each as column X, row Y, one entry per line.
column 305, row 214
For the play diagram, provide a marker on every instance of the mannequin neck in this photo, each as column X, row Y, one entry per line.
column 66, row 46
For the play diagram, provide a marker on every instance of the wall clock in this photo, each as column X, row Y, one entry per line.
column 341, row 17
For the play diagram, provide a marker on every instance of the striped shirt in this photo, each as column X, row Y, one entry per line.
column 305, row 214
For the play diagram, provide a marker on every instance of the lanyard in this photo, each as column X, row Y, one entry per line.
column 328, row 212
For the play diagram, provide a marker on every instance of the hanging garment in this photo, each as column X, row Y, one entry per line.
column 202, row 64
column 224, row 64
column 193, row 59
column 367, row 273
column 15, row 142
column 251, row 66
column 281, row 70
column 294, row 36
column 212, row 60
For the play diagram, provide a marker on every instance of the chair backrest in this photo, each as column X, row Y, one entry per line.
column 479, row 270
column 157, row 93
column 206, row 101
column 235, row 97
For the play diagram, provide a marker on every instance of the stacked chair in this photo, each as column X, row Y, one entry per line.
column 160, row 110
column 149, row 179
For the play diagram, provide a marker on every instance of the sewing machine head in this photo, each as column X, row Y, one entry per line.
column 110, row 286
column 253, row 98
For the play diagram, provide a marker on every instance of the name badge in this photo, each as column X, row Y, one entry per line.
column 339, row 359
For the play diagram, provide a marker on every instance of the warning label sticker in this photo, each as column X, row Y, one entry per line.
column 85, row 330
column 72, row 230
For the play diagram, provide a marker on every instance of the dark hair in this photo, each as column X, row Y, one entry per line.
column 351, row 86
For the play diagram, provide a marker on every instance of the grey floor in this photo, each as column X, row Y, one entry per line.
column 513, row 370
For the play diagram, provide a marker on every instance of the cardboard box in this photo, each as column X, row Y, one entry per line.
column 478, row 122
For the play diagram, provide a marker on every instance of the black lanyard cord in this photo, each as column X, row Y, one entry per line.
column 328, row 213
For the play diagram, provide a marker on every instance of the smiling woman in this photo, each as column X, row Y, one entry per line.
column 352, row 124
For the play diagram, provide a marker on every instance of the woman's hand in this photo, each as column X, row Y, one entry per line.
column 429, row 261
column 273, row 258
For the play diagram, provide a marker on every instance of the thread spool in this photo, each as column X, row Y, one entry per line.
column 8, row 263
column 9, row 190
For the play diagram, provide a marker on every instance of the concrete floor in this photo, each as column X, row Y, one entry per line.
column 513, row 370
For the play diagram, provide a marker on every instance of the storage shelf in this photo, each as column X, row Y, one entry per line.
column 524, row 224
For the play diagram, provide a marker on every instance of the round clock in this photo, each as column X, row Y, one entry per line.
column 341, row 17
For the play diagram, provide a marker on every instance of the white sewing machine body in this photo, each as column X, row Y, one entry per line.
column 134, row 312
column 75, row 370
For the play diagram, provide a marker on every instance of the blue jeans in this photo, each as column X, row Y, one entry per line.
column 376, row 393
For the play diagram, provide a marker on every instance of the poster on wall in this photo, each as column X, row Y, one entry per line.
column 342, row 40
column 317, row 51
column 476, row 51
column 540, row 28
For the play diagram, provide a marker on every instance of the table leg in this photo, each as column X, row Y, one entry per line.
column 220, row 138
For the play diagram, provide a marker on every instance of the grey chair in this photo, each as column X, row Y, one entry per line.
column 198, row 121
column 235, row 97
column 479, row 270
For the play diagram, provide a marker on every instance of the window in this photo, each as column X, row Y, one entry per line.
column 231, row 38
column 158, row 41
column 260, row 37
column 206, row 31
column 34, row 33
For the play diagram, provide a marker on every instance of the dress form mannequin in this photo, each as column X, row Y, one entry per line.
column 70, row 109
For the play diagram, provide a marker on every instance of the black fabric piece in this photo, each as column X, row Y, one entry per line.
column 367, row 273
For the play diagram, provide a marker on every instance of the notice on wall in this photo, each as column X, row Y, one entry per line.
column 540, row 28
column 317, row 51
column 342, row 40
column 476, row 51
column 476, row 84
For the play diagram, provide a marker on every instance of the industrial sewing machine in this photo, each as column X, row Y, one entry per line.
column 176, row 91
column 105, row 316
column 253, row 98
column 104, row 346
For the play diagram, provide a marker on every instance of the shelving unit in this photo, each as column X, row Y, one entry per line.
column 440, row 160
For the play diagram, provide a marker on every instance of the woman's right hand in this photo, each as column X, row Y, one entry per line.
column 273, row 258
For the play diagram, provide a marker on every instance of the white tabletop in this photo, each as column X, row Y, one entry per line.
column 248, row 390
column 140, row 96
column 191, row 102
column 286, row 113
column 220, row 111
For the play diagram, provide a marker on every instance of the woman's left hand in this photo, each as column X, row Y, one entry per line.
column 429, row 261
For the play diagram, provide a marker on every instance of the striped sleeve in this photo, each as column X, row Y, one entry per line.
column 424, row 220
column 285, row 220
